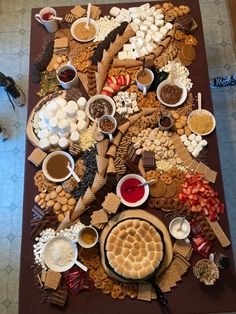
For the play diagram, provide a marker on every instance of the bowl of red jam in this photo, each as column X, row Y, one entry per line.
column 130, row 193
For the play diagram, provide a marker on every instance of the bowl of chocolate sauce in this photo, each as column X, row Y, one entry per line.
column 171, row 94
column 55, row 166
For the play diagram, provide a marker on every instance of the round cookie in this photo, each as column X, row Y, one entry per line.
column 158, row 189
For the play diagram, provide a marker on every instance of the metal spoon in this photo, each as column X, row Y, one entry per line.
column 57, row 18
column 199, row 101
column 73, row 173
column 132, row 188
column 181, row 224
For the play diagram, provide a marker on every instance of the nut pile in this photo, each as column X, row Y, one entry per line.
column 59, row 200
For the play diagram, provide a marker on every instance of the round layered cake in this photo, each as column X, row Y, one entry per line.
column 134, row 249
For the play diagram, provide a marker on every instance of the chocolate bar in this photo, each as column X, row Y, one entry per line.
column 59, row 297
column 184, row 22
column 148, row 159
column 131, row 154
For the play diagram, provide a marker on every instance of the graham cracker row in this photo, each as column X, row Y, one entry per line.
column 111, row 203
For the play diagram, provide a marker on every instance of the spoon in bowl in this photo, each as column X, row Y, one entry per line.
column 72, row 172
column 57, row 18
column 88, row 15
column 132, row 188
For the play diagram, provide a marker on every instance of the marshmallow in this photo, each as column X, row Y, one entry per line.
column 190, row 148
column 53, row 139
column 61, row 114
column 61, row 102
column 81, row 115
column 71, row 108
column 203, row 143
column 75, row 137
column 81, row 102
column 43, row 134
column 47, row 115
column 122, row 55
column 64, row 126
column 186, row 143
column 194, row 143
column 127, row 47
column 44, row 144
column 53, row 122
column 81, row 125
column 115, row 11
column 198, row 138
column 53, row 106
column 43, row 124
column 63, row 143
column 183, row 138
column 192, row 137
column 41, row 114
column 143, row 28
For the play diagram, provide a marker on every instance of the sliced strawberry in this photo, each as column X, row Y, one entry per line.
column 127, row 79
column 115, row 87
column 108, row 89
column 105, row 92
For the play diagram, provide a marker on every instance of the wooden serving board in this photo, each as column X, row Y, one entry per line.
column 142, row 214
column 32, row 136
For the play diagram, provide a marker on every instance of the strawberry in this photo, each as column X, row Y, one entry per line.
column 127, row 79
column 105, row 92
column 115, row 87
column 111, row 80
column 108, row 89
column 121, row 80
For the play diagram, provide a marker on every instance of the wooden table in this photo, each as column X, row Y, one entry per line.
column 189, row 296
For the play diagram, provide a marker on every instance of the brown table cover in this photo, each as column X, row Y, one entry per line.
column 190, row 296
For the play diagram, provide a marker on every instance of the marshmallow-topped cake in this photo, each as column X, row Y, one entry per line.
column 134, row 249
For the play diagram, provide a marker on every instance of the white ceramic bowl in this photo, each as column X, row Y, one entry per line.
column 198, row 111
column 83, row 20
column 177, row 83
column 96, row 97
column 44, row 168
column 146, row 190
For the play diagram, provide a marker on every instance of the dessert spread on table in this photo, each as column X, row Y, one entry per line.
column 154, row 157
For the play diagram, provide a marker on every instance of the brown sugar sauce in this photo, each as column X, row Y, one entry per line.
column 57, row 166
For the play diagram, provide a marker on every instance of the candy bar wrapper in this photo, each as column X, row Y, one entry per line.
column 88, row 197
column 102, row 147
column 102, row 163
column 79, row 209
column 98, row 182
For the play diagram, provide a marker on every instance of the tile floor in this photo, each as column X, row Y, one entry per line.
column 14, row 53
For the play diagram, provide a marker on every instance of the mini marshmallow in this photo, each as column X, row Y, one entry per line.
column 198, row 138
column 203, row 143
column 53, row 139
column 192, row 137
column 183, row 138
column 169, row 25
column 159, row 16
column 63, row 143
column 73, row 126
column 43, row 134
column 140, row 34
column 148, row 38
column 186, row 143
column 127, row 47
column 81, row 102
column 44, row 144
column 163, row 30
column 193, row 143
column 159, row 23
column 114, row 11
column 154, row 28
column 190, row 148
column 122, row 55
column 75, row 136
column 143, row 28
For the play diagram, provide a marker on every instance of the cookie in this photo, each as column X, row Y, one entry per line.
column 158, row 189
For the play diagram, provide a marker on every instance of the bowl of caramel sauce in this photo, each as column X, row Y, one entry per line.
column 55, row 166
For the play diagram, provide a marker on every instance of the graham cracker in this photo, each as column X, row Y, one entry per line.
column 37, row 156
column 221, row 236
column 60, row 42
column 94, row 11
column 201, row 168
column 78, row 11
column 144, row 292
column 111, row 203
column 182, row 248
column 211, row 175
column 99, row 217
column 193, row 165
column 52, row 279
